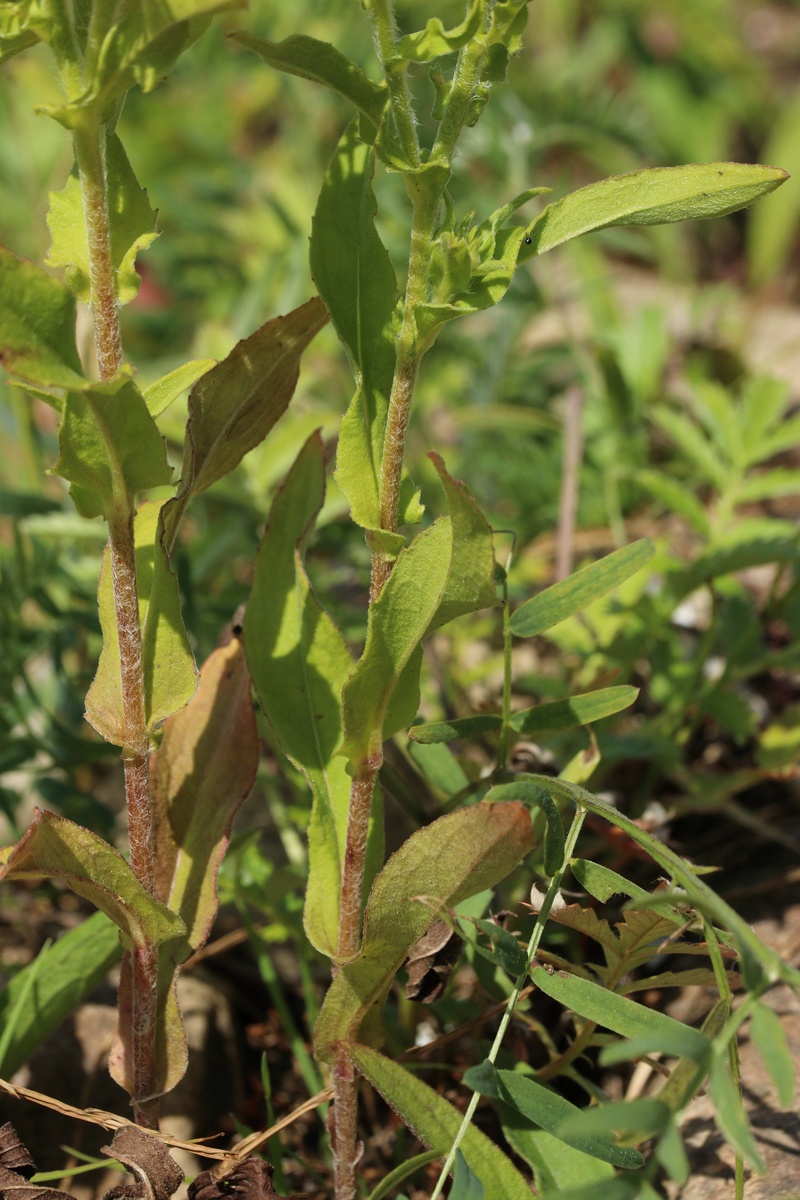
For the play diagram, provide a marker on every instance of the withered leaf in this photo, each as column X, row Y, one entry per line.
column 157, row 1173
column 13, row 1154
column 16, row 1187
column 430, row 963
column 249, row 1180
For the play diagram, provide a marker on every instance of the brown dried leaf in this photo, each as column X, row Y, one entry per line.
column 157, row 1173
column 13, row 1155
column 430, row 963
column 249, row 1180
column 16, row 1187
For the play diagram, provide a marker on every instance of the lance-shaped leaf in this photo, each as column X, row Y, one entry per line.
column 445, row 572
column 55, row 848
column 300, row 663
column 654, row 196
column 568, row 597
column 37, row 325
column 357, row 281
column 161, row 394
column 204, row 769
column 322, row 63
column 546, row 1109
column 109, row 444
column 170, row 677
column 131, row 223
column 233, row 406
column 446, row 862
column 436, row 1122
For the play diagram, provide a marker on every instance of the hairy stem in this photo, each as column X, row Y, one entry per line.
column 89, row 144
column 382, row 20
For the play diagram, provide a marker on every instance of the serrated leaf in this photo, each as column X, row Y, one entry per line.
column 571, row 595
column 110, row 447
column 319, row 61
column 653, row 196
column 234, row 406
column 204, row 769
column 355, row 278
column 72, row 967
column 446, row 571
column 170, row 677
column 769, row 1037
column 547, row 1110
column 577, row 710
column 37, row 325
column 434, row 41
column 161, row 394
column 436, row 1122
column 449, row 860
column 131, row 223
column 300, row 664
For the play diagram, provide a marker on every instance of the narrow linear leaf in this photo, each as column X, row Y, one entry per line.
column 37, row 325
column 300, row 663
column 455, row 857
column 547, row 1110
column 436, row 1122
column 578, row 710
column 626, row 1017
column 557, row 1167
column 730, row 1115
column 132, row 226
column 72, row 967
column 322, row 63
column 170, row 677
column 531, row 794
column 653, row 196
column 637, row 1118
column 204, row 769
column 769, row 1036
column 452, row 731
column 571, row 595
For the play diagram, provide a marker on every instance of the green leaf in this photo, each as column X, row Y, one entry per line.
column 557, row 1167
column 436, row 1122
column 677, row 498
column 300, row 663
column 449, row 860
column 505, row 950
column 571, row 595
column 466, row 1185
column 445, row 572
column 434, row 41
column 623, row 1016
column 730, row 1115
column 772, row 227
column 234, row 406
column 54, row 848
column 626, row 1118
column 548, row 1111
column 578, row 710
column 531, row 794
column 170, row 677
column 322, row 63
column 760, row 965
column 653, row 196
column 603, row 883
column 131, row 226
column 452, row 731
column 440, row 766
column 356, row 279
column 161, row 394
column 37, row 325
column 769, row 1036
column 110, row 447
column 205, row 768
column 53, row 985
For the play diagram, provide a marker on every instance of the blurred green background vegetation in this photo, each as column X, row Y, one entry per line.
column 682, row 342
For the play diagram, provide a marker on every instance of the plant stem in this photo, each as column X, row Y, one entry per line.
column 382, row 20
column 89, row 145
column 533, row 946
column 89, row 142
